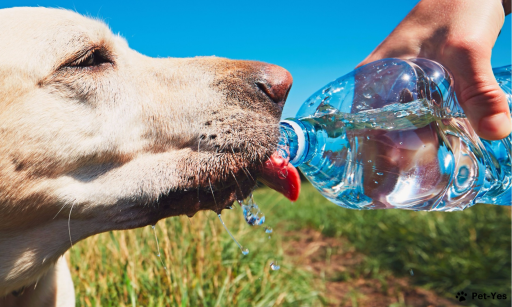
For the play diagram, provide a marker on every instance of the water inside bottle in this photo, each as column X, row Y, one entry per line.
column 399, row 156
column 391, row 134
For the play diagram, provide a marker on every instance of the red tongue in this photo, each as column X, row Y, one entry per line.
column 281, row 176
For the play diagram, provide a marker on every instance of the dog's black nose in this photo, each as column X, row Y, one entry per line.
column 275, row 82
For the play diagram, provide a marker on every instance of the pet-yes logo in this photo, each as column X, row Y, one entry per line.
column 463, row 296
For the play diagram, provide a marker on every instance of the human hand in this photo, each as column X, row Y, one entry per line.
column 459, row 34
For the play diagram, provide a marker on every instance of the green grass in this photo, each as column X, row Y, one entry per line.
column 204, row 267
column 469, row 250
column 447, row 251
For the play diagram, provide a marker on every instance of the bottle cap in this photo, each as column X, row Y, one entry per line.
column 301, row 141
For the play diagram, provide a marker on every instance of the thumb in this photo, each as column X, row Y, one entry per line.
column 482, row 99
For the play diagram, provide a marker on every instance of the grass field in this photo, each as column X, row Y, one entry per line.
column 328, row 255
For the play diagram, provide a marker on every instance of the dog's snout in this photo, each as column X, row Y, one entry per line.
column 275, row 83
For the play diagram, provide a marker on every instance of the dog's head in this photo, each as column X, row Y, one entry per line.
column 94, row 132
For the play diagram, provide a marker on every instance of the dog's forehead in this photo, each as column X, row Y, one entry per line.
column 42, row 38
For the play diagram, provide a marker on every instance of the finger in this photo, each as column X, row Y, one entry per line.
column 482, row 99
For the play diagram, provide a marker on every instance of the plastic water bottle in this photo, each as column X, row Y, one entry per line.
column 391, row 134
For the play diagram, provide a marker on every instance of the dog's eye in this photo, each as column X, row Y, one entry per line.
column 94, row 58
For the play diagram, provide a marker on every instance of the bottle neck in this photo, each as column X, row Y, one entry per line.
column 294, row 137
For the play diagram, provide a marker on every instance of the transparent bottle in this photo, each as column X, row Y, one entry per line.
column 391, row 134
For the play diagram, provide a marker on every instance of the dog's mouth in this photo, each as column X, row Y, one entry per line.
column 276, row 173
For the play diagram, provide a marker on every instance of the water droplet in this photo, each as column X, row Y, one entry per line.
column 380, row 174
column 369, row 161
column 367, row 137
column 401, row 143
column 252, row 213
column 367, row 95
column 229, row 207
column 268, row 229
column 282, row 173
column 158, row 248
column 376, row 182
column 325, row 90
column 412, row 272
column 244, row 250
column 269, row 237
column 274, row 267
column 401, row 114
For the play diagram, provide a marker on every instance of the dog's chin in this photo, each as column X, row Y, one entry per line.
column 191, row 201
column 183, row 202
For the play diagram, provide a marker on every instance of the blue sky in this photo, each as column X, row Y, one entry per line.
column 317, row 41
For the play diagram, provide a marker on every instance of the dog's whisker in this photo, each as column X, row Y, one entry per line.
column 216, row 205
column 246, row 172
column 69, row 224
column 267, row 158
column 249, row 173
column 236, row 181
column 243, row 170
column 59, row 211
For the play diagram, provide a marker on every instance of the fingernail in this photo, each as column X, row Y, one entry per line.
column 496, row 126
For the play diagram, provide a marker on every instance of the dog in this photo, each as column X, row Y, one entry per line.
column 96, row 137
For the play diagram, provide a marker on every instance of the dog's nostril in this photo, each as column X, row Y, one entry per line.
column 276, row 83
column 264, row 88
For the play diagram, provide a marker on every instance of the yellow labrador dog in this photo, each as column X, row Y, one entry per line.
column 96, row 137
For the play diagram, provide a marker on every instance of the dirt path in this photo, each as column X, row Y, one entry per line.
column 333, row 261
